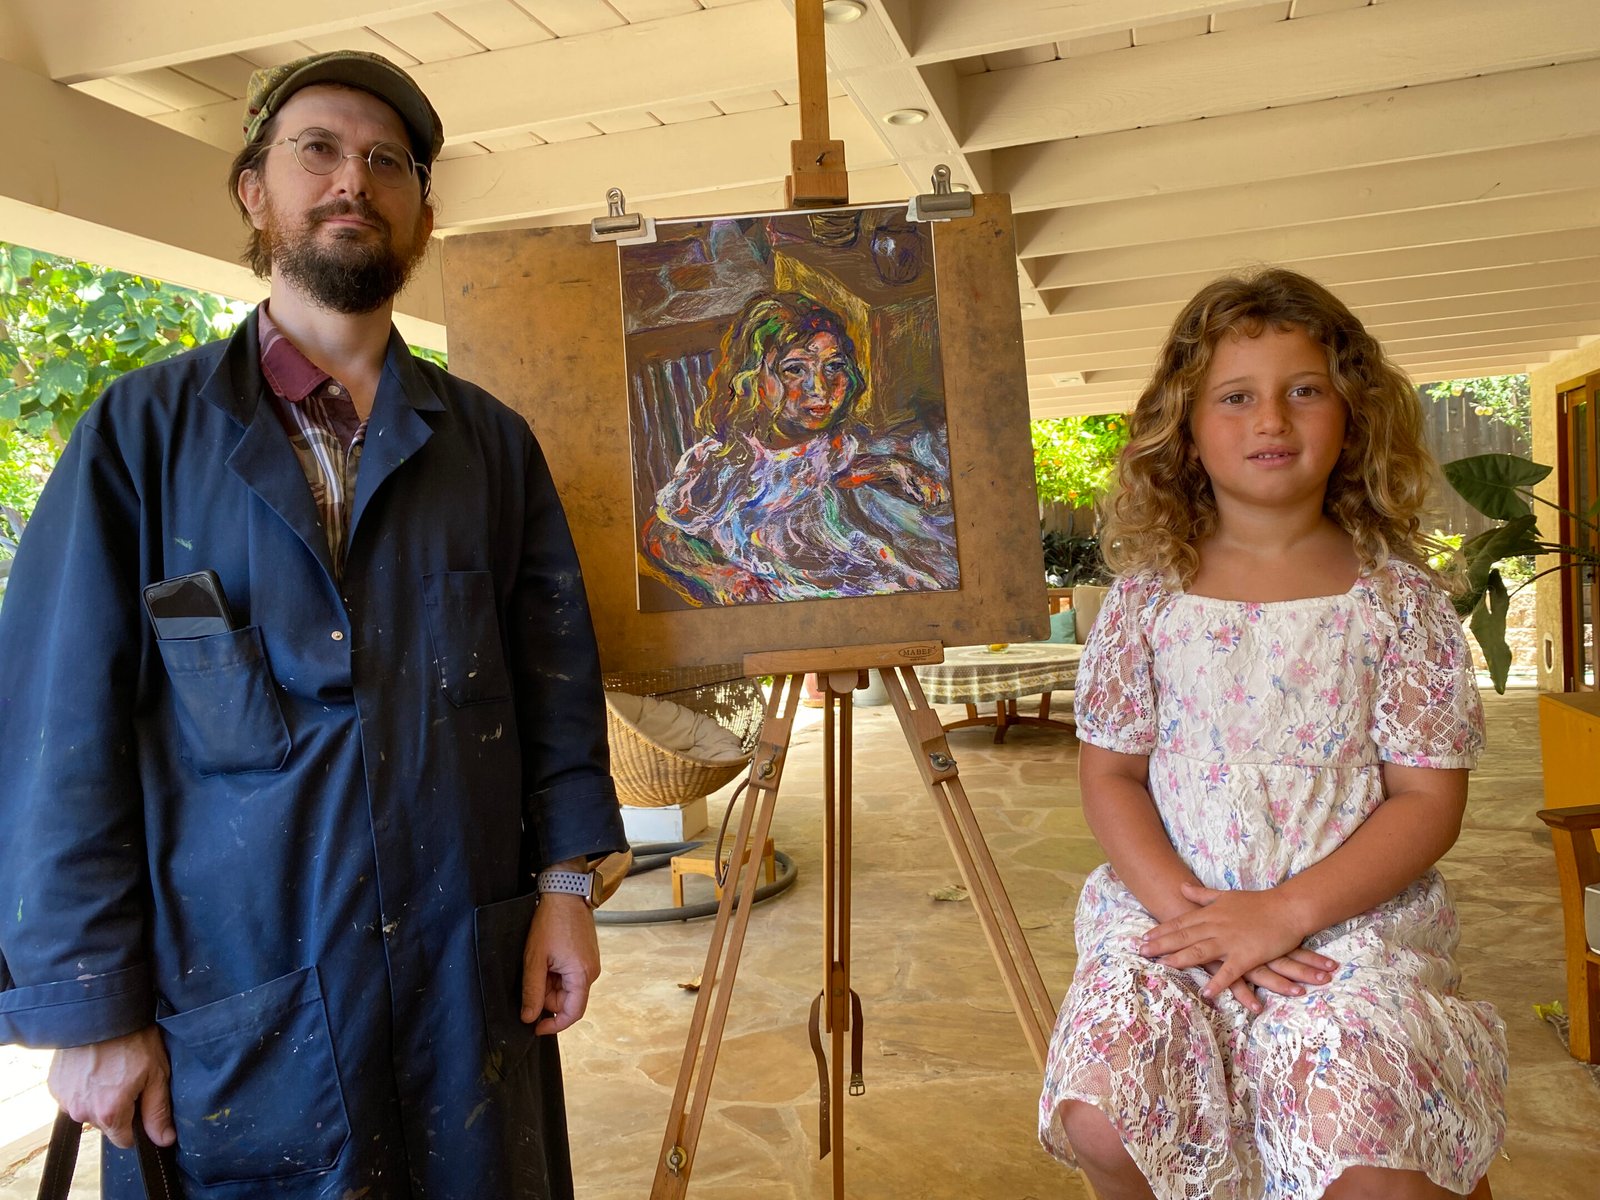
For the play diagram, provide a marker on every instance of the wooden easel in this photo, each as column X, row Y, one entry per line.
column 840, row 672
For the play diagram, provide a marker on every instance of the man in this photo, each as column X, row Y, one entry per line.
column 292, row 865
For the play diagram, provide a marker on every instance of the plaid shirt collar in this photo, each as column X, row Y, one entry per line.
column 289, row 373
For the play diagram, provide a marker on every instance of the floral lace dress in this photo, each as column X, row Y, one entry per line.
column 1266, row 725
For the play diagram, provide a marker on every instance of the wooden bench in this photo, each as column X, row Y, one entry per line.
column 702, row 862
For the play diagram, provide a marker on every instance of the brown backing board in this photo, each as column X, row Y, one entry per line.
column 535, row 316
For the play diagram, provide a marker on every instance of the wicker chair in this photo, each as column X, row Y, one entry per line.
column 650, row 775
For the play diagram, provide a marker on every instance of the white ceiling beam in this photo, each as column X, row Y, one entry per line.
column 1512, row 362
column 1502, row 286
column 624, row 69
column 1553, row 212
column 1545, row 104
column 92, row 39
column 1424, row 184
column 944, row 29
column 1354, row 51
column 1439, row 373
column 1539, row 249
column 1551, row 337
column 1082, row 391
column 872, row 185
column 1500, row 289
column 690, row 158
column 1064, row 353
column 1050, row 405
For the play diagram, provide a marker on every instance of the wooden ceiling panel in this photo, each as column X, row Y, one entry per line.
column 428, row 38
column 1444, row 228
column 497, row 24
column 1412, row 186
column 1364, row 50
column 572, row 18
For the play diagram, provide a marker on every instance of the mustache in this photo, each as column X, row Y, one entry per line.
column 348, row 208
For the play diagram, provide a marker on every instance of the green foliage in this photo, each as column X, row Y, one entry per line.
column 67, row 329
column 1502, row 398
column 1500, row 486
column 24, row 466
column 1069, row 561
column 1073, row 457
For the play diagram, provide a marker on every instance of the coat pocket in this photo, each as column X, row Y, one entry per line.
column 465, row 627
column 501, row 933
column 255, row 1092
column 227, row 705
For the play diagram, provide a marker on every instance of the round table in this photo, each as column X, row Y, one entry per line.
column 974, row 675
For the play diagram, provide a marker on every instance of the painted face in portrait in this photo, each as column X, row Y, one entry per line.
column 809, row 386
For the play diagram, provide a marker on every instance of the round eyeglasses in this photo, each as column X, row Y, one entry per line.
column 320, row 152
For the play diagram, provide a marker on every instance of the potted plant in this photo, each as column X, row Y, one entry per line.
column 1500, row 486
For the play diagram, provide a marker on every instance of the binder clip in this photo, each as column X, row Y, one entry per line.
column 944, row 203
column 619, row 225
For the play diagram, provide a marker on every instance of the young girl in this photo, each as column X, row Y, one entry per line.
column 1278, row 713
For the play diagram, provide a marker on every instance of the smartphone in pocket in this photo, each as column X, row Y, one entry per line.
column 188, row 606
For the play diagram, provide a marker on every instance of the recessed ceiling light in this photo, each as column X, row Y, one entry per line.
column 906, row 116
column 842, row 12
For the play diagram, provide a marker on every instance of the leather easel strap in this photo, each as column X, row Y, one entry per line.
column 62, row 1157
column 858, row 1084
column 824, row 1126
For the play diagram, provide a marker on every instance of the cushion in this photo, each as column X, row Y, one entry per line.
column 676, row 728
column 1063, row 627
column 1086, row 601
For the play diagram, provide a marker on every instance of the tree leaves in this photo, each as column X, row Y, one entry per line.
column 67, row 329
column 1073, row 457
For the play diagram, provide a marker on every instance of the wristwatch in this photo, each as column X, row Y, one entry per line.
column 569, row 883
column 595, row 885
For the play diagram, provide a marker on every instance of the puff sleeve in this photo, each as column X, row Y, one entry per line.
column 1427, row 713
column 1114, row 699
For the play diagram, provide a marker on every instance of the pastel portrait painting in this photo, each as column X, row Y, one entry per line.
column 787, row 410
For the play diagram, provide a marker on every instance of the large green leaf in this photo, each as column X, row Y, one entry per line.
column 1489, row 628
column 1493, row 483
column 1515, row 539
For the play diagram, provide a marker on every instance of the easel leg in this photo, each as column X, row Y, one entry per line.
column 733, row 918
column 836, row 995
column 1007, row 942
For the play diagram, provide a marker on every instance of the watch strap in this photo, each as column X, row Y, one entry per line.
column 567, row 883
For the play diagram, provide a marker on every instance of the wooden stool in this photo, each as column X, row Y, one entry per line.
column 701, row 862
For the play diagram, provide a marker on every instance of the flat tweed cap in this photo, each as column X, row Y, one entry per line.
column 270, row 87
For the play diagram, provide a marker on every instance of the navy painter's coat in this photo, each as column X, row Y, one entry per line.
column 303, row 847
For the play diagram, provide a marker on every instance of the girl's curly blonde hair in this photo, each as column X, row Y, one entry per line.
column 1162, row 503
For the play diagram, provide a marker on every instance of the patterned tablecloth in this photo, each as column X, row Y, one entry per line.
column 978, row 675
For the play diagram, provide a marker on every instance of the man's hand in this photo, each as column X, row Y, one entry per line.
column 100, row 1082
column 560, row 961
column 1237, row 935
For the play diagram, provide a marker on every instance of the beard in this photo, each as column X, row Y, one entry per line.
column 353, row 274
